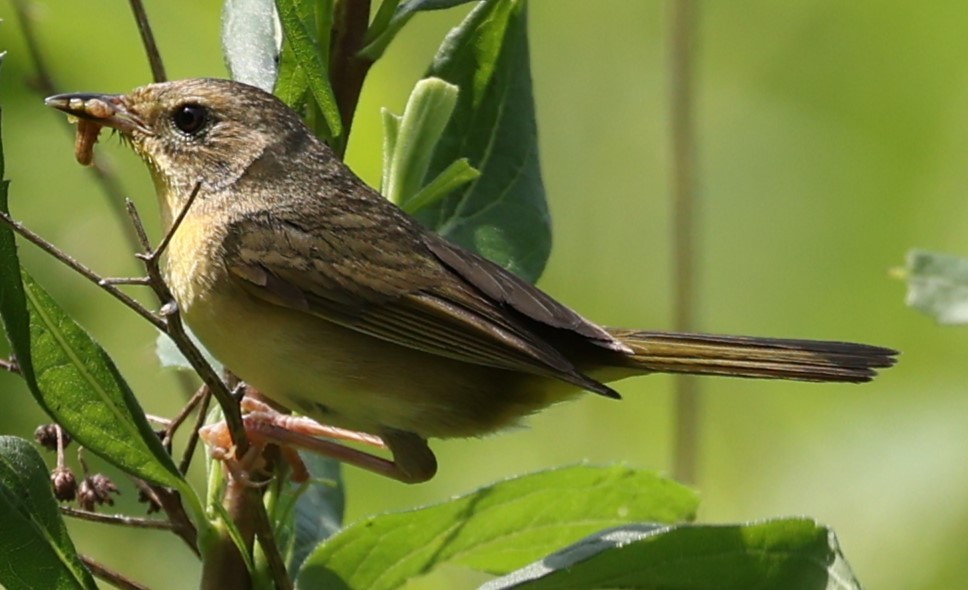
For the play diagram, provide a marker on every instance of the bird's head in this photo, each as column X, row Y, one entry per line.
column 206, row 131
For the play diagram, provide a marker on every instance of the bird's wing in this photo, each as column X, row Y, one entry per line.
column 401, row 284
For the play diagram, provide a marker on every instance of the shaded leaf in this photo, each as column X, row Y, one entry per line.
column 316, row 507
column 502, row 214
column 793, row 554
column 169, row 355
column 251, row 41
column 938, row 285
column 35, row 549
column 495, row 529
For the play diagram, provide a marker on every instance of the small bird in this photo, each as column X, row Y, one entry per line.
column 333, row 302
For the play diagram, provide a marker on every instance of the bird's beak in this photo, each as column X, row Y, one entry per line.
column 107, row 110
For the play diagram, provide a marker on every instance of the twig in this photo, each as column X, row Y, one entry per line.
column 117, row 519
column 182, row 415
column 110, row 576
column 347, row 68
column 170, row 502
column 148, row 39
column 82, row 270
column 10, row 365
column 684, row 197
column 189, row 452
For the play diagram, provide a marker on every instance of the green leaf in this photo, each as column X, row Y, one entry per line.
column 35, row 549
column 417, row 132
column 391, row 129
column 503, row 214
column 251, row 41
column 71, row 376
column 495, row 529
column 938, row 285
column 793, row 554
column 455, row 176
column 391, row 17
column 292, row 87
column 299, row 39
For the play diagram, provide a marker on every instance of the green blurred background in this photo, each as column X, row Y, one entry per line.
column 833, row 137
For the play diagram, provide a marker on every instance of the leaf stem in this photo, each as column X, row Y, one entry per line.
column 684, row 203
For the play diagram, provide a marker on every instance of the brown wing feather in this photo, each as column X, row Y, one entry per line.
column 407, row 297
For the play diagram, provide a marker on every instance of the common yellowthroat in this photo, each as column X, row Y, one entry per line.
column 332, row 301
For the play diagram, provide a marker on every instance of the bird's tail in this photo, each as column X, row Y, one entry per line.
column 743, row 356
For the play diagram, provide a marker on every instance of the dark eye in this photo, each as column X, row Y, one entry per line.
column 189, row 118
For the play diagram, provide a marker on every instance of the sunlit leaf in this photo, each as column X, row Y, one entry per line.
column 303, row 46
column 793, row 554
column 417, row 132
column 496, row 529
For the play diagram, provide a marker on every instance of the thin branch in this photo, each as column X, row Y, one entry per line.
column 44, row 84
column 176, row 223
column 148, row 39
column 10, row 365
column 183, row 414
column 170, row 502
column 684, row 203
column 347, row 68
column 117, row 519
column 189, row 452
column 82, row 270
column 110, row 576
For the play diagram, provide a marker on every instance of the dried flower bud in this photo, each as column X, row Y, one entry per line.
column 46, row 436
column 146, row 498
column 96, row 490
column 64, row 483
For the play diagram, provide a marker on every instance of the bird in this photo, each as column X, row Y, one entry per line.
column 333, row 302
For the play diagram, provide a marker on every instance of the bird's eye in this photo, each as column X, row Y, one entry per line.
column 190, row 118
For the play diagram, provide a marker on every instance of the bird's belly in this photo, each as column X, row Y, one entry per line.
column 342, row 377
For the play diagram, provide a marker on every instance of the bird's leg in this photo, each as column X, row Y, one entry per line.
column 413, row 461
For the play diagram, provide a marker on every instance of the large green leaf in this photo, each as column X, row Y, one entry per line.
column 502, row 214
column 35, row 550
column 792, row 554
column 938, row 285
column 71, row 376
column 496, row 529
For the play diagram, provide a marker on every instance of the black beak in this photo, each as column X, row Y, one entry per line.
column 108, row 110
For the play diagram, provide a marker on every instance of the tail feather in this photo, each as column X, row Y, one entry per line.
column 744, row 356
